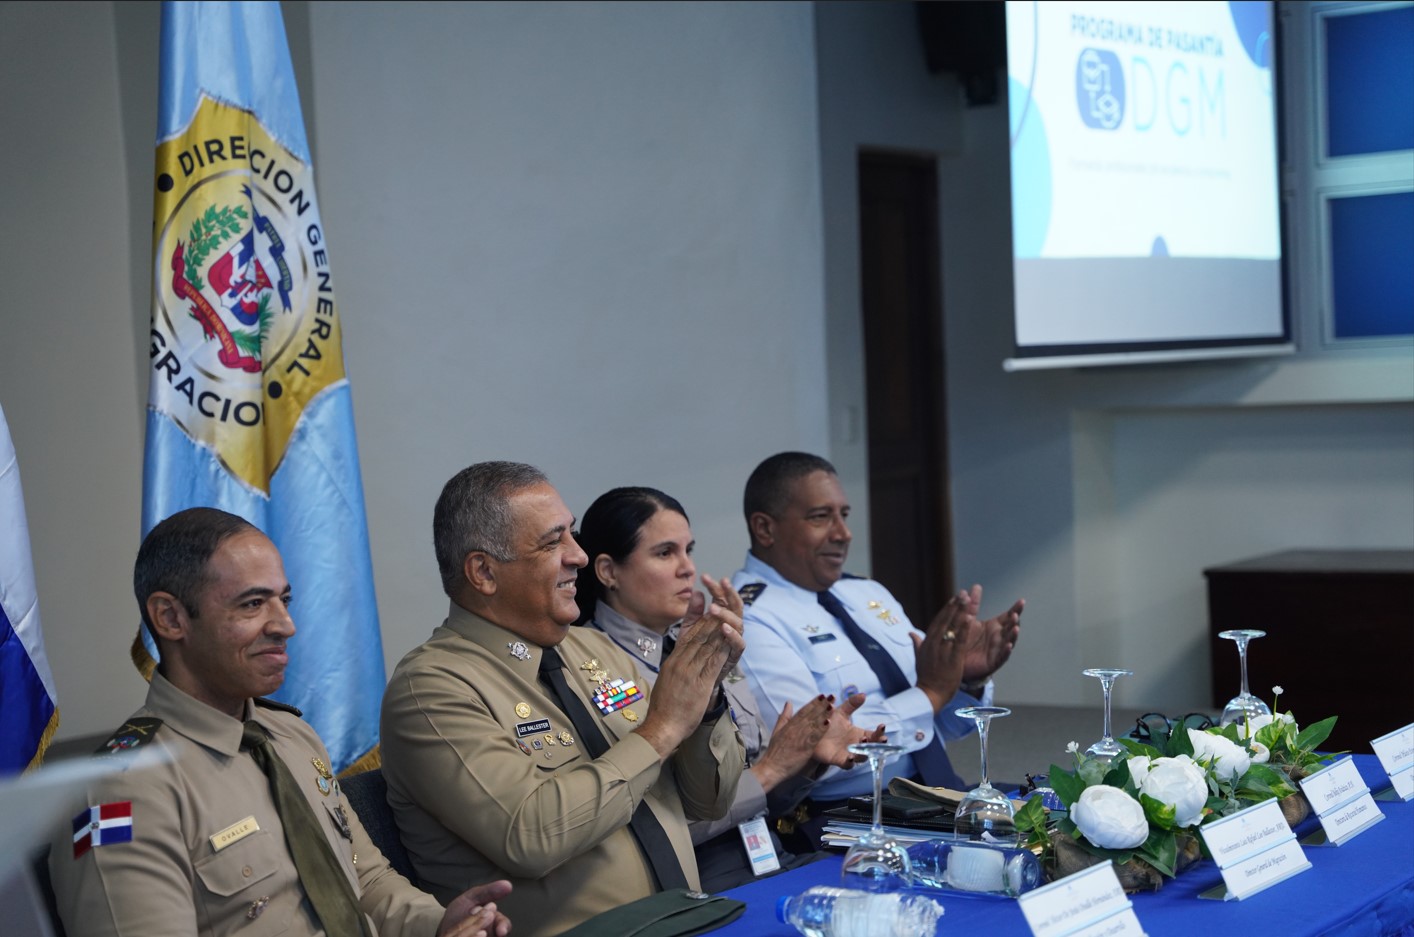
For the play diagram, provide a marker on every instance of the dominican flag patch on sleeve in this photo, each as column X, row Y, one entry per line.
column 103, row 825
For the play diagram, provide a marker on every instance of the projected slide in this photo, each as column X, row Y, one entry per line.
column 1145, row 197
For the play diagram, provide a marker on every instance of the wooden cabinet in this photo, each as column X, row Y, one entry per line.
column 1340, row 637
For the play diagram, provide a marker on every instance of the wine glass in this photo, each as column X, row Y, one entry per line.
column 876, row 862
column 1107, row 749
column 984, row 809
column 1244, row 705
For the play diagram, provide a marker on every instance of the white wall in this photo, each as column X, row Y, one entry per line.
column 615, row 241
column 1101, row 495
column 585, row 236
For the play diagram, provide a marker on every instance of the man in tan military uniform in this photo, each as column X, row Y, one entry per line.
column 487, row 774
column 195, row 844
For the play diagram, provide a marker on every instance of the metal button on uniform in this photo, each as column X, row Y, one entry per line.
column 246, row 871
column 920, row 736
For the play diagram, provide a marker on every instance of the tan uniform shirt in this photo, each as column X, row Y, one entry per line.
column 172, row 879
column 646, row 646
column 487, row 777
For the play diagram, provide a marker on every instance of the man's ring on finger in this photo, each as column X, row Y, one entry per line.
column 949, row 635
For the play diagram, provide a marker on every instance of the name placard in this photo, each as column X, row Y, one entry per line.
column 1341, row 800
column 1254, row 848
column 1265, row 869
column 1396, row 754
column 1090, row 903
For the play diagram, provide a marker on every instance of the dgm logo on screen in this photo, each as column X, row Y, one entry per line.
column 1183, row 100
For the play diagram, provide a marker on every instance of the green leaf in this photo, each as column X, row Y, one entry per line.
column 1139, row 748
column 1158, row 813
column 1179, row 744
column 1120, row 856
column 1033, row 816
column 1092, row 771
column 1313, row 735
column 248, row 342
column 1118, row 775
column 1067, row 785
column 1229, row 732
column 1161, row 851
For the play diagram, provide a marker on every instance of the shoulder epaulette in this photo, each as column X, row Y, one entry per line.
column 750, row 592
column 276, row 704
column 135, row 733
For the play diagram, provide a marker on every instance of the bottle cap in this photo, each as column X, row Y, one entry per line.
column 781, row 904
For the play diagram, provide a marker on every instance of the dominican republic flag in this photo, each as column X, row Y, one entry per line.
column 29, row 711
column 249, row 408
column 103, row 825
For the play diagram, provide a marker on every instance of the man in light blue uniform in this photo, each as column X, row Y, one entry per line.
column 811, row 629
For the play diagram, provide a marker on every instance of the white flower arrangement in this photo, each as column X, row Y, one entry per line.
column 1140, row 805
column 1109, row 818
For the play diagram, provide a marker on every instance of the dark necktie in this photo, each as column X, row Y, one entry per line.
column 932, row 761
column 651, row 836
column 323, row 878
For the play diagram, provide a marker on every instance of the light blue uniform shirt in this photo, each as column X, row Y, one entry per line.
column 795, row 650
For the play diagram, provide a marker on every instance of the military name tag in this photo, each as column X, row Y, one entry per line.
column 821, row 638
column 532, row 728
column 234, row 833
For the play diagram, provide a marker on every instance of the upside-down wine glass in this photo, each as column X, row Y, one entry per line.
column 876, row 862
column 1244, row 705
column 1107, row 748
column 984, row 809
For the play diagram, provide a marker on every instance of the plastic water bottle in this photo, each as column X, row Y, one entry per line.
column 843, row 912
column 975, row 866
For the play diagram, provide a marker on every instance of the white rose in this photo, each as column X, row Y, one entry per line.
column 1179, row 783
column 1228, row 759
column 1262, row 753
column 1138, row 768
column 1110, row 818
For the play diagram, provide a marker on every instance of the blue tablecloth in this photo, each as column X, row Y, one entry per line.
column 1364, row 888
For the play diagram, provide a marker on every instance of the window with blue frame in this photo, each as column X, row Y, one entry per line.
column 1369, row 113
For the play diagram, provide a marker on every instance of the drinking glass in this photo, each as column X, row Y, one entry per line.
column 876, row 862
column 1244, row 705
column 1107, row 749
column 984, row 809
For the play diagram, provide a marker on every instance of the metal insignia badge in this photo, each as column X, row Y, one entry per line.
column 566, row 738
column 523, row 747
column 518, row 650
column 343, row 821
column 523, row 710
column 647, row 646
column 886, row 616
column 630, row 715
column 549, row 738
column 325, row 778
column 812, row 629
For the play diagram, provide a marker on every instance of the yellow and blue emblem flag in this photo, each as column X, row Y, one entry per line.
column 249, row 409
column 29, row 711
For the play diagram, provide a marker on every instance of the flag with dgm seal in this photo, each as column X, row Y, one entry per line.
column 29, row 704
column 249, row 409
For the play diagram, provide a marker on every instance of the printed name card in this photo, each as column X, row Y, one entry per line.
column 1396, row 754
column 1091, row 903
column 1254, row 848
column 1341, row 800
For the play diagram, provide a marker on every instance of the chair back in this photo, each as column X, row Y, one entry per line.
column 368, row 793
